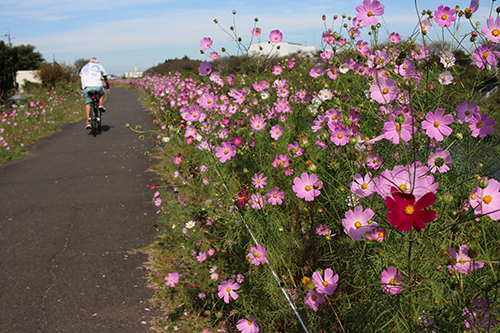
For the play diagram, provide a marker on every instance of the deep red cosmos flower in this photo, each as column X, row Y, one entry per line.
column 405, row 212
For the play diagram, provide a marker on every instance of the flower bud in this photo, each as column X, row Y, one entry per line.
column 447, row 198
column 256, row 19
column 323, row 17
column 234, row 12
column 215, row 21
column 459, row 136
column 483, row 182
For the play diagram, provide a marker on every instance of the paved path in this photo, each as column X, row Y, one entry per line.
column 69, row 216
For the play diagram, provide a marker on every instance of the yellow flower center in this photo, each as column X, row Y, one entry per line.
column 179, row 159
column 226, row 151
column 307, row 188
column 314, row 298
column 340, row 136
column 495, row 32
column 473, row 196
column 369, row 14
column 357, row 224
column 275, row 195
column 399, row 127
column 385, row 91
column 479, row 124
column 258, row 255
column 467, row 112
column 277, row 132
column 485, row 55
column 444, row 17
column 258, row 181
column 381, row 234
column 393, row 281
column 402, row 187
column 250, row 323
column 228, row 289
column 462, row 261
column 364, row 186
column 409, row 210
column 487, row 199
column 436, row 124
column 325, row 284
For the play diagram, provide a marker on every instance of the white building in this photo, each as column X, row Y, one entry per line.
column 285, row 48
column 134, row 74
column 29, row 76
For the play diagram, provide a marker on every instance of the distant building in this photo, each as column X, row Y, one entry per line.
column 23, row 76
column 285, row 48
column 134, row 74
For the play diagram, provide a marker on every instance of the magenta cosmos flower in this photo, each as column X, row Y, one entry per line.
column 259, row 181
column 363, row 187
column 327, row 285
column 480, row 125
column 307, row 187
column 227, row 289
column 172, row 279
column 177, row 159
column 275, row 196
column 358, row 223
column 383, row 92
column 313, row 299
column 478, row 316
column 444, row 16
column 487, row 200
column 206, row 43
column 247, row 325
column 390, row 281
column 367, row 12
column 463, row 263
column 465, row 111
column 406, row 213
column 486, row 55
column 256, row 31
column 438, row 161
column 225, row 152
column 275, row 36
column 258, row 255
column 492, row 32
column 435, row 124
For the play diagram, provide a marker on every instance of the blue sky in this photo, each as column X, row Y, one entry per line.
column 143, row 33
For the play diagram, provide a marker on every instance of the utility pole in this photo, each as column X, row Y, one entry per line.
column 8, row 37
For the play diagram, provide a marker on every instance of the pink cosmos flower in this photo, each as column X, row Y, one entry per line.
column 275, row 196
column 435, row 124
column 326, row 56
column 363, row 187
column 275, row 36
column 397, row 128
column 445, row 78
column 444, row 16
column 172, row 279
column 486, row 55
column 481, row 125
column 225, row 152
column 211, row 252
column 438, row 161
column 390, row 281
column 367, row 11
column 340, row 136
column 322, row 229
column 312, row 299
column 395, row 38
column 207, row 100
column 259, row 181
column 202, row 256
column 327, row 285
column 492, row 32
column 205, row 68
column 258, row 255
column 277, row 70
column 466, row 111
column 256, row 31
column 317, row 71
column 377, row 235
column 258, row 122
column 383, row 92
column 214, row 55
column 247, row 325
column 358, row 224
column 447, row 59
column 463, row 263
column 307, row 187
column 227, row 290
column 479, row 317
column 413, row 178
column 276, row 132
column 257, row 201
column 406, row 212
column 294, row 149
column 487, row 200
column 425, row 26
column 177, row 159
column 206, row 43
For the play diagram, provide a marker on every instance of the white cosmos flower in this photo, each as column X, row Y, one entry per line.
column 190, row 224
column 343, row 68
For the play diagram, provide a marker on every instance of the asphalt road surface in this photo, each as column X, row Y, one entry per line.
column 71, row 216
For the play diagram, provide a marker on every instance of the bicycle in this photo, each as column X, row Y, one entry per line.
column 95, row 113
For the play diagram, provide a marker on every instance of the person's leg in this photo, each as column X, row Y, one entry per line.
column 87, row 111
column 101, row 99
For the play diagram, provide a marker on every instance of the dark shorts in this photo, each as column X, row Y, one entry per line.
column 88, row 100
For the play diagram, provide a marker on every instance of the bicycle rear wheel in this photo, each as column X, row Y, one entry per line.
column 93, row 120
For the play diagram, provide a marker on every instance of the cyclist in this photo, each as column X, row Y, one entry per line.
column 91, row 75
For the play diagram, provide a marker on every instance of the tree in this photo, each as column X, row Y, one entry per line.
column 12, row 59
column 78, row 64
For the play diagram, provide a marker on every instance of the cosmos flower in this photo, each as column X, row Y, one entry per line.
column 227, row 290
column 406, row 212
column 307, row 187
column 390, row 281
